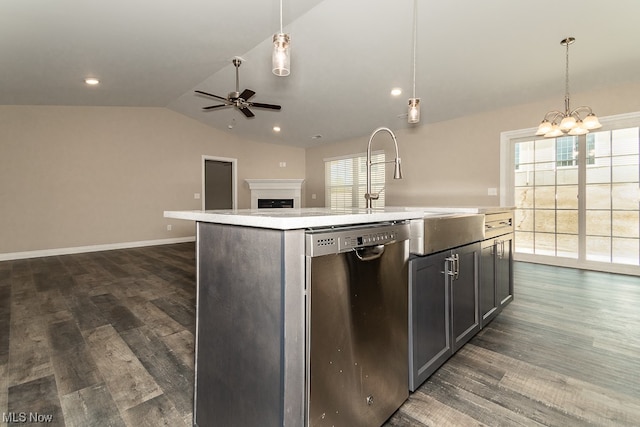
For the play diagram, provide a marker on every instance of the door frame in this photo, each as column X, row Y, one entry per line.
column 234, row 177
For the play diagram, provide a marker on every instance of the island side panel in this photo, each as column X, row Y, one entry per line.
column 295, row 324
column 240, row 346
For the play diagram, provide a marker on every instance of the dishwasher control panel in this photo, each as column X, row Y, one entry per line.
column 343, row 239
column 369, row 239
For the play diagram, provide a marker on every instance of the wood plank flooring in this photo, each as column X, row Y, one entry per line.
column 565, row 352
column 106, row 339
column 99, row 339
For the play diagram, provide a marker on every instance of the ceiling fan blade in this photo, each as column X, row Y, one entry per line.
column 212, row 95
column 246, row 111
column 211, row 107
column 246, row 94
column 260, row 105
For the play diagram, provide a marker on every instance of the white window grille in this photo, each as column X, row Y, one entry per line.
column 346, row 180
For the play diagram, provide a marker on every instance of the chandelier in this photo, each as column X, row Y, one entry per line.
column 557, row 123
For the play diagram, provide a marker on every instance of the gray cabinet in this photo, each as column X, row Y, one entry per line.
column 504, row 270
column 496, row 276
column 488, row 297
column 464, row 294
column 443, row 308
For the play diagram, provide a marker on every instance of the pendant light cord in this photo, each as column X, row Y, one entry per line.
column 281, row 17
column 415, row 26
column 566, row 82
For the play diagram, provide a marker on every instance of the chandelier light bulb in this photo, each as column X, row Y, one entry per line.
column 545, row 127
column 592, row 122
column 567, row 123
column 554, row 132
column 579, row 129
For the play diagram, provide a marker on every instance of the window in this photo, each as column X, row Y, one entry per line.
column 567, row 151
column 612, row 196
column 346, row 180
column 577, row 198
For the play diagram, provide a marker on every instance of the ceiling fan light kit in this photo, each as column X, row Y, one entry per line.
column 281, row 56
column 557, row 123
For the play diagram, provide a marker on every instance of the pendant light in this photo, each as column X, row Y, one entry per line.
column 556, row 123
column 413, row 114
column 280, row 58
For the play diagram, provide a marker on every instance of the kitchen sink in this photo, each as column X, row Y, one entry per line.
column 438, row 232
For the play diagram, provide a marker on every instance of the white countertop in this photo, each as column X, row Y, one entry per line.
column 290, row 219
column 459, row 209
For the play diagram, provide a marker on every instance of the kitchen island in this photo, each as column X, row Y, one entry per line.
column 257, row 303
column 252, row 317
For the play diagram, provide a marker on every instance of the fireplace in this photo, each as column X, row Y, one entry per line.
column 275, row 193
column 275, row 203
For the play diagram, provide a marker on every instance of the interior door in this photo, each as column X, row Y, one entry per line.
column 218, row 183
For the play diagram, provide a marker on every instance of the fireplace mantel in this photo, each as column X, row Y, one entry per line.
column 275, row 189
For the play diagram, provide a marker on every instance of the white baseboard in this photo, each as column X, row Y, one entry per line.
column 93, row 248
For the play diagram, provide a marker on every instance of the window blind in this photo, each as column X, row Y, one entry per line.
column 346, row 180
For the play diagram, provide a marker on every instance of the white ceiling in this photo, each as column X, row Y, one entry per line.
column 346, row 56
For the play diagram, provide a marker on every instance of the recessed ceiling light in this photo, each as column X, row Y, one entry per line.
column 396, row 91
column 91, row 81
column 276, row 128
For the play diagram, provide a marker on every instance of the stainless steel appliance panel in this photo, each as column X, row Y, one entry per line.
column 358, row 351
column 498, row 224
column 438, row 233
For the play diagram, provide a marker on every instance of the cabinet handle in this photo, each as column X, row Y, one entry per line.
column 453, row 269
column 451, row 266
column 457, row 258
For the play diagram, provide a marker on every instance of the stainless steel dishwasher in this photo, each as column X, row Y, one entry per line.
column 357, row 287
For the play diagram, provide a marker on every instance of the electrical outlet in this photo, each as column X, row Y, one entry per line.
column 196, row 196
column 313, row 196
column 492, row 191
column 283, row 164
column 169, row 227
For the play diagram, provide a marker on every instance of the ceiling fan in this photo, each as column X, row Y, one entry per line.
column 237, row 99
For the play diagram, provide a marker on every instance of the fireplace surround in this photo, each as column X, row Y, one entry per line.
column 275, row 189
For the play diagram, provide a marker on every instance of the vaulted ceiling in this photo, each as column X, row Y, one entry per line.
column 347, row 55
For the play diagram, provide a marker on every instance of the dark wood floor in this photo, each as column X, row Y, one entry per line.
column 106, row 339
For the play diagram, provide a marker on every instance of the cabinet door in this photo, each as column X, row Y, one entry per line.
column 429, row 330
column 488, row 299
column 465, row 319
column 504, row 270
